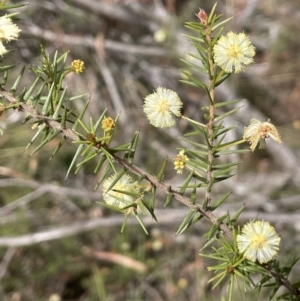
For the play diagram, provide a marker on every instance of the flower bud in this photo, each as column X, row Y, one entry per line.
column 202, row 16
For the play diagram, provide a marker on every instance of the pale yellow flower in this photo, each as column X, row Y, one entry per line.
column 54, row 297
column 8, row 31
column 180, row 161
column 233, row 51
column 119, row 199
column 162, row 106
column 258, row 241
column 108, row 124
column 258, row 131
column 160, row 36
column 77, row 66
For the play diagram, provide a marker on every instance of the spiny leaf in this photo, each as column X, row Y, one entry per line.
column 5, row 68
column 129, row 155
column 100, row 163
column 217, row 119
column 199, row 145
column 187, row 221
column 103, row 177
column 61, row 142
column 11, row 6
column 220, row 201
column 195, row 26
column 118, row 177
column 168, row 199
column 150, row 210
column 231, row 152
column 38, row 96
column 198, row 165
column 49, row 137
column 194, row 80
column 197, row 39
column 236, row 215
column 222, row 131
column 199, row 177
column 48, row 103
column 218, row 143
column 186, row 182
column 223, row 146
column 13, row 89
column 124, row 223
column 98, row 122
column 201, row 69
column 190, row 83
column 207, row 244
column 220, row 24
column 75, row 126
column 212, row 13
column 40, row 130
column 89, row 157
column 140, row 222
column 223, row 103
column 213, row 231
column 30, row 91
column 222, row 79
column 153, row 196
column 161, row 173
column 58, row 107
column 224, row 171
column 223, row 178
column 225, row 165
column 195, row 124
column 196, row 154
column 77, row 154
column 4, row 79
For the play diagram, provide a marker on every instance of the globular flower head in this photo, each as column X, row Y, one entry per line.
column 108, row 124
column 162, row 106
column 233, row 51
column 180, row 161
column 116, row 198
column 258, row 131
column 8, row 31
column 77, row 66
column 160, row 36
column 258, row 241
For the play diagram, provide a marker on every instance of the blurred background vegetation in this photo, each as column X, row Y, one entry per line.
column 56, row 241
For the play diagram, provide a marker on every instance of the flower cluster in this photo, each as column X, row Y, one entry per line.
column 258, row 131
column 180, row 161
column 162, row 106
column 77, row 66
column 233, row 51
column 258, row 241
column 125, row 187
column 108, row 124
column 8, row 32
